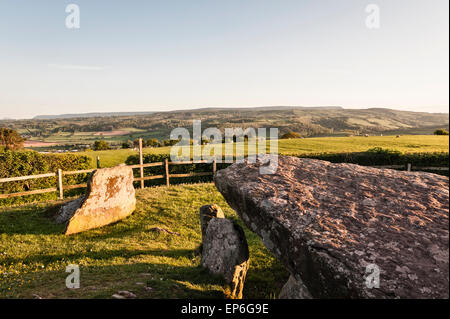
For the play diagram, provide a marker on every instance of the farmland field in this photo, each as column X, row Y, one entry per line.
column 405, row 144
column 30, row 144
column 309, row 122
column 126, row 255
column 63, row 138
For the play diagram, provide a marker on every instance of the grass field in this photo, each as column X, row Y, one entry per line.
column 89, row 137
column 406, row 144
column 126, row 255
column 114, row 157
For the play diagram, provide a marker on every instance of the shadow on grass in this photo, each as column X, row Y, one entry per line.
column 32, row 220
column 138, row 222
column 29, row 220
column 165, row 279
column 103, row 255
column 182, row 278
column 145, row 279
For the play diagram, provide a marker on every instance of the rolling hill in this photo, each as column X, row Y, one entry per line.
column 308, row 121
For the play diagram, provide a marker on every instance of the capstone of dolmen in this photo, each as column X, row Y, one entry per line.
column 347, row 231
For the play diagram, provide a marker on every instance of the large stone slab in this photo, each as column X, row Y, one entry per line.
column 294, row 289
column 110, row 196
column 335, row 225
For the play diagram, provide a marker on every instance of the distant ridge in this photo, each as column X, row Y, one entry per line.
column 206, row 109
column 259, row 108
column 88, row 115
column 307, row 121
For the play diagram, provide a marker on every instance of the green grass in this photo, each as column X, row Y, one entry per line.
column 125, row 255
column 114, row 157
column 63, row 138
column 405, row 144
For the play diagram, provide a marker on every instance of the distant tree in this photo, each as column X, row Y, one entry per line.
column 101, row 146
column 10, row 139
column 289, row 135
column 153, row 142
column 126, row 145
column 170, row 142
column 441, row 132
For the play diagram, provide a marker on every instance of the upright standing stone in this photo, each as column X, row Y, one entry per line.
column 225, row 252
column 208, row 212
column 109, row 197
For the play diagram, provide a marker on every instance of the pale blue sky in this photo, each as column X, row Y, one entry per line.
column 178, row 54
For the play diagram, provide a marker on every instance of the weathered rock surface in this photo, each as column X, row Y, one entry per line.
column 109, row 197
column 225, row 252
column 327, row 222
column 208, row 212
column 294, row 289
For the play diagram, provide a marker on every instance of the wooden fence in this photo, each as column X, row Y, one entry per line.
column 61, row 188
column 60, row 174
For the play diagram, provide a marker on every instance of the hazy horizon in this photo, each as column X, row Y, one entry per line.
column 139, row 57
column 174, row 109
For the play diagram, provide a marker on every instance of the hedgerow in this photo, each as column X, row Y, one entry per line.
column 379, row 156
column 372, row 157
column 24, row 163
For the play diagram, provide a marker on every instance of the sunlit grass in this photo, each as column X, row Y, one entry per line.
column 126, row 255
column 405, row 144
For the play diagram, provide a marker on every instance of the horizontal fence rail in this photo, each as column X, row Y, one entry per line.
column 79, row 172
column 23, row 178
column 147, row 165
column 34, row 192
column 61, row 187
column 434, row 168
column 390, row 166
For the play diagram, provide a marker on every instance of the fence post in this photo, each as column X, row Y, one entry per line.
column 214, row 167
column 166, row 165
column 98, row 161
column 408, row 167
column 60, row 184
column 141, row 162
